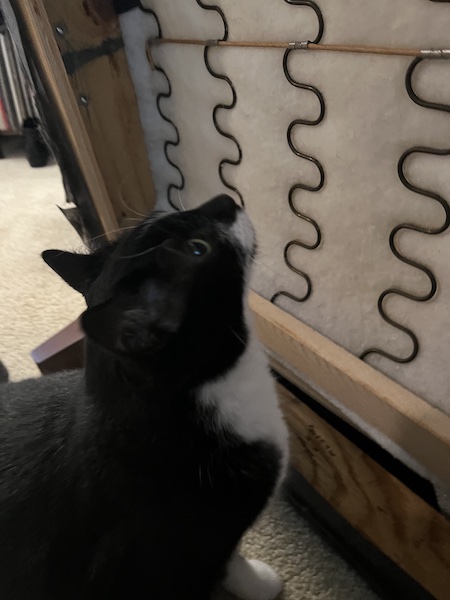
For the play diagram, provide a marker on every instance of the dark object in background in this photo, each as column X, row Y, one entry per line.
column 4, row 376
column 35, row 147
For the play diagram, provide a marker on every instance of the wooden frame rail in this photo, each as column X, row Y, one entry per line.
column 407, row 420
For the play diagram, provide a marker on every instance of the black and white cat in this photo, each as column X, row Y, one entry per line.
column 137, row 477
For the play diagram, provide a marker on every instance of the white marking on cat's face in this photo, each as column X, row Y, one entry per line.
column 241, row 233
column 242, row 230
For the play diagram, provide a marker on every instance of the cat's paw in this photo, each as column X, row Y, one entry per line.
column 252, row 580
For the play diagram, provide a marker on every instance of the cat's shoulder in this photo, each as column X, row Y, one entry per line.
column 45, row 390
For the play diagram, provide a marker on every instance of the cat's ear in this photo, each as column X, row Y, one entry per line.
column 78, row 270
column 128, row 326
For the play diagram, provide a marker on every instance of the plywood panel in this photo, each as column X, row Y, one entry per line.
column 90, row 42
column 374, row 502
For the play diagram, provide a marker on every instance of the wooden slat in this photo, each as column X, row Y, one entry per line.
column 419, row 429
column 375, row 503
column 92, row 48
column 65, row 350
column 34, row 18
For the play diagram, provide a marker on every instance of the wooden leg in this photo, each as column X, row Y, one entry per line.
column 63, row 351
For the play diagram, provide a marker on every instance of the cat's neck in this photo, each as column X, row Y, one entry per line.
column 109, row 376
column 183, row 366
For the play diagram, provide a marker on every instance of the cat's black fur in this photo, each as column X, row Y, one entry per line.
column 115, row 482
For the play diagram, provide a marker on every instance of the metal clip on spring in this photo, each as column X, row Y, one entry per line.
column 299, row 45
column 435, row 53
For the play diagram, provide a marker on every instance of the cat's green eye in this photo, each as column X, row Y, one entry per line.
column 198, row 247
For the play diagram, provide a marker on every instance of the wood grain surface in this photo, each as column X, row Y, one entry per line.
column 91, row 46
column 382, row 509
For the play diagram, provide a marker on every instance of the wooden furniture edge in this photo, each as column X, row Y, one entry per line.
column 382, row 509
column 35, row 19
column 404, row 418
column 94, row 57
column 64, row 350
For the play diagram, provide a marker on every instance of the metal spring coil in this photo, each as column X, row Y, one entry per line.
column 229, row 136
column 159, row 97
column 297, row 152
column 412, row 227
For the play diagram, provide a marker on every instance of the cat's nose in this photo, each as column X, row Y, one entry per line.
column 222, row 208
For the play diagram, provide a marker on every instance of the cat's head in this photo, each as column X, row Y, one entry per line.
column 170, row 289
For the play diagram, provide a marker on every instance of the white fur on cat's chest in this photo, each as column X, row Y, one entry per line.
column 246, row 402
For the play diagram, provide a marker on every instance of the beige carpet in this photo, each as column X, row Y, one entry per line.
column 34, row 304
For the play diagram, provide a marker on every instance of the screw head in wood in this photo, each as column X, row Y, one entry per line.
column 61, row 29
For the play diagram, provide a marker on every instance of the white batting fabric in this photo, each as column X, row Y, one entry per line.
column 369, row 122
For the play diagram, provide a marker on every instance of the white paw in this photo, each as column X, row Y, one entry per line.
column 252, row 580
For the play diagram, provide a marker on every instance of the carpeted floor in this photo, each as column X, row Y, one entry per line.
column 35, row 303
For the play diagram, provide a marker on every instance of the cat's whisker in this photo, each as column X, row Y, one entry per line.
column 259, row 262
column 140, row 253
column 238, row 337
column 102, row 235
column 180, row 200
column 209, row 476
column 125, row 205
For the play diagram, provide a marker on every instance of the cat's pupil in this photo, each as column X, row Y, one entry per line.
column 198, row 247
